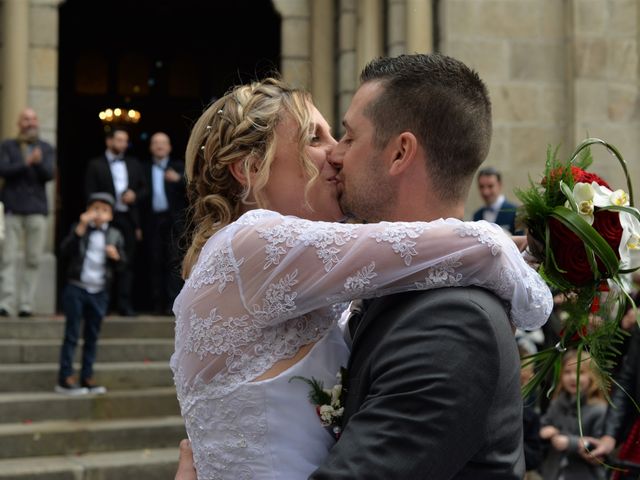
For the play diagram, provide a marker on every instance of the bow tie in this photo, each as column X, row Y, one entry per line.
column 116, row 159
column 93, row 228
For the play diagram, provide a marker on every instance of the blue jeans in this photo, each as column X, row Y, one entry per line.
column 77, row 304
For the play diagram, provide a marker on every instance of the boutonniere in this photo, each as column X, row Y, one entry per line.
column 329, row 402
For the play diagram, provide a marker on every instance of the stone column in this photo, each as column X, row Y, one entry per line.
column 322, row 57
column 15, row 63
column 296, row 39
column 419, row 26
column 396, row 27
column 347, row 66
column 370, row 29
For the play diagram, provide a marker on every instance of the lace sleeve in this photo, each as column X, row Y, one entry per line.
column 285, row 267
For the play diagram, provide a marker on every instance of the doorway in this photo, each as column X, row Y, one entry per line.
column 167, row 59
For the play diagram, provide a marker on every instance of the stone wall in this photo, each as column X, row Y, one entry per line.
column 41, row 93
column 346, row 53
column 518, row 48
column 605, row 50
column 43, row 65
column 557, row 71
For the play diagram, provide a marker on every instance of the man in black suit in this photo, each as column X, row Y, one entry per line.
column 163, row 221
column 497, row 209
column 122, row 177
column 433, row 377
column 433, row 389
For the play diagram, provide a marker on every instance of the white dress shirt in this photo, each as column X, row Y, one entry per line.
column 490, row 213
column 92, row 276
column 159, row 200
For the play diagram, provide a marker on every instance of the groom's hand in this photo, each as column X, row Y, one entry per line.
column 186, row 470
column 520, row 241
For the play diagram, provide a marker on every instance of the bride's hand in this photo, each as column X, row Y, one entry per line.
column 186, row 470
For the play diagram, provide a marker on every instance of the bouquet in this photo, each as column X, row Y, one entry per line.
column 586, row 238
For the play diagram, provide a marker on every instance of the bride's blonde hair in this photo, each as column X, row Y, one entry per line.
column 239, row 127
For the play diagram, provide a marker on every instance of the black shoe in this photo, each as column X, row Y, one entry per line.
column 69, row 387
column 92, row 387
column 25, row 313
column 4, row 312
column 127, row 312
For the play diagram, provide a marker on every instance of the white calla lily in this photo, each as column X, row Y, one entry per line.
column 629, row 242
column 588, row 196
column 583, row 194
column 619, row 198
column 601, row 195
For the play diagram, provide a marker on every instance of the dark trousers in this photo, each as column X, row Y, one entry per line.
column 124, row 278
column 162, row 240
column 77, row 304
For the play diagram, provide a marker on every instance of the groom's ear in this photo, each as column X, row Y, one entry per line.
column 404, row 152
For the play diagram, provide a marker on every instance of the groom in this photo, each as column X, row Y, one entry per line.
column 434, row 393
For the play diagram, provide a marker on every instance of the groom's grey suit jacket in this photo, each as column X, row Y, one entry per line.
column 433, row 391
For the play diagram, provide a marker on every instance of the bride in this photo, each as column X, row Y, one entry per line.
column 269, row 268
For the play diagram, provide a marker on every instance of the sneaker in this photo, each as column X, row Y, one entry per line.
column 25, row 313
column 4, row 312
column 92, row 387
column 69, row 387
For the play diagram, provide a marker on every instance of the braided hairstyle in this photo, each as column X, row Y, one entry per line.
column 239, row 127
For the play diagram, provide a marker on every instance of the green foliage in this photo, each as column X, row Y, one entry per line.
column 588, row 325
column 317, row 395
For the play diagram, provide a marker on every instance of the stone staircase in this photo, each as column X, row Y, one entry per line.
column 132, row 432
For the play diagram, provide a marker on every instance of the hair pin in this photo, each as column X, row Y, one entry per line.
column 208, row 127
column 220, row 112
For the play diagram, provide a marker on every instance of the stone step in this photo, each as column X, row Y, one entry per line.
column 40, row 406
column 88, row 436
column 112, row 327
column 109, row 350
column 147, row 464
column 115, row 376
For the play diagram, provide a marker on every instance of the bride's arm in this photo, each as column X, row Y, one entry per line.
column 285, row 266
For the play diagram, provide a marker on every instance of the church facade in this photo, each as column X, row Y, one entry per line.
column 557, row 70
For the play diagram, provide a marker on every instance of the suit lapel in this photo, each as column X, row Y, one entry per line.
column 107, row 174
column 368, row 313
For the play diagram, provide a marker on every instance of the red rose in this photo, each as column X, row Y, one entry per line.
column 607, row 224
column 579, row 175
column 569, row 250
column 569, row 253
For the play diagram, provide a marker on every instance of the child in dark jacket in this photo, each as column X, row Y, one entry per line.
column 93, row 249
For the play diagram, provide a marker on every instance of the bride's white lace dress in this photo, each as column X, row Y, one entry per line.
column 267, row 285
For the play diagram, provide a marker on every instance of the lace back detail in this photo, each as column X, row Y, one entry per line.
column 233, row 429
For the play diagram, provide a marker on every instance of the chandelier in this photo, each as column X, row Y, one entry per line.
column 119, row 115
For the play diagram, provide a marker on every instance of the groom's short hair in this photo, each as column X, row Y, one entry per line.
column 444, row 104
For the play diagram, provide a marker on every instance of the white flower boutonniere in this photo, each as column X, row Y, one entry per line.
column 329, row 402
